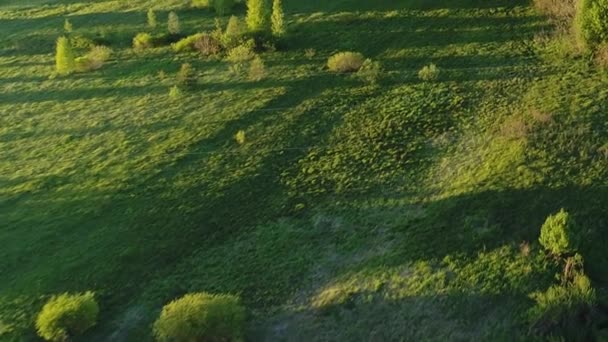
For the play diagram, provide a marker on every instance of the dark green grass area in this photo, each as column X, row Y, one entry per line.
column 351, row 212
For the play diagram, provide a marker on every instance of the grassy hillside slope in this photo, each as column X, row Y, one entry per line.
column 409, row 210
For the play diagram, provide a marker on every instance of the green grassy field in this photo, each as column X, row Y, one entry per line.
column 405, row 211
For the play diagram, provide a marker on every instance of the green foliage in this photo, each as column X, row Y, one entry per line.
column 201, row 317
column 591, row 22
column 188, row 43
column 257, row 15
column 429, row 73
column 557, row 310
column 173, row 25
column 257, row 70
column 66, row 316
column 234, row 33
column 64, row 57
column 151, row 19
column 239, row 55
column 370, row 72
column 79, row 42
column 67, row 26
column 278, row 19
column 240, row 137
column 345, row 62
column 175, row 93
column 94, row 59
column 143, row 41
column 558, row 233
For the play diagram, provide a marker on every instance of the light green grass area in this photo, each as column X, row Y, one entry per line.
column 351, row 212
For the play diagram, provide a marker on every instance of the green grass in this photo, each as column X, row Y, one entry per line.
column 351, row 212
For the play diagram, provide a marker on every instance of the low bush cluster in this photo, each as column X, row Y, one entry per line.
column 345, row 62
column 429, row 73
column 558, row 234
column 201, row 317
column 66, row 316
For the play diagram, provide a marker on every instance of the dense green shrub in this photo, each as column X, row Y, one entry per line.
column 201, row 317
column 240, row 55
column 64, row 57
column 257, row 15
column 429, row 72
column 278, row 19
column 187, row 44
column 345, row 62
column 173, row 25
column 143, row 41
column 151, row 19
column 66, row 316
column 591, row 22
column 370, row 71
column 186, row 76
column 557, row 234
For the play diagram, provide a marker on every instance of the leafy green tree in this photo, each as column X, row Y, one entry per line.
column 151, row 19
column 64, row 58
column 173, row 23
column 257, row 15
column 278, row 19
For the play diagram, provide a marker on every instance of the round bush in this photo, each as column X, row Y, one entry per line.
column 142, row 41
column 345, row 62
column 429, row 73
column 67, row 315
column 557, row 234
column 591, row 22
column 201, row 317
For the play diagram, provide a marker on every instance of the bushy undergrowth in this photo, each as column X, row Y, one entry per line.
column 345, row 62
column 565, row 310
column 201, row 317
column 429, row 73
column 207, row 45
column 370, row 72
column 94, row 59
column 558, row 233
column 591, row 22
column 188, row 43
column 66, row 316
column 143, row 41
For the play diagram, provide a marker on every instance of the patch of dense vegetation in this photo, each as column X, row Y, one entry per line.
column 303, row 170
